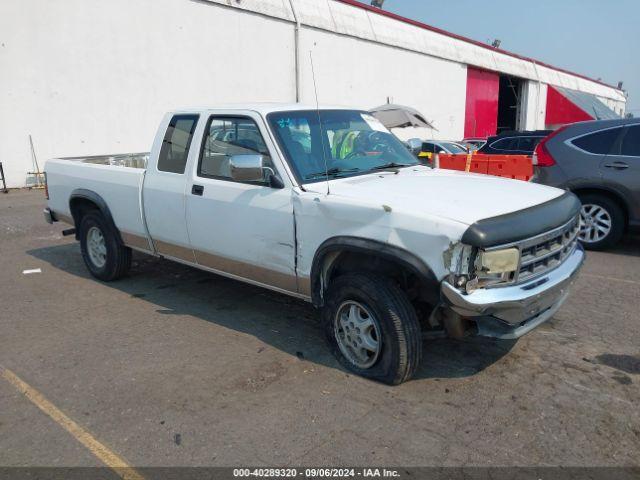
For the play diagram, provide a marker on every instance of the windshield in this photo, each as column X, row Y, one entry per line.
column 453, row 148
column 350, row 143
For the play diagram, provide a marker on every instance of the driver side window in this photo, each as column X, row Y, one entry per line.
column 228, row 136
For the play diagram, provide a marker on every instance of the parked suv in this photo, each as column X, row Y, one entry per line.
column 513, row 143
column 600, row 162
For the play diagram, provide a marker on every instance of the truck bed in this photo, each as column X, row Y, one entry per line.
column 130, row 160
column 116, row 178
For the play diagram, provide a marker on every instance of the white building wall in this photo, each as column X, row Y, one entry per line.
column 350, row 71
column 90, row 76
column 336, row 16
column 94, row 76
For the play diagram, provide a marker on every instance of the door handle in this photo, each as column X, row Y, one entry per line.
column 617, row 165
column 197, row 190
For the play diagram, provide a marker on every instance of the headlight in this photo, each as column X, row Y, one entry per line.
column 494, row 267
column 498, row 261
column 472, row 268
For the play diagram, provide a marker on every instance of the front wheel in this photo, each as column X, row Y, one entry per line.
column 103, row 255
column 372, row 328
column 601, row 222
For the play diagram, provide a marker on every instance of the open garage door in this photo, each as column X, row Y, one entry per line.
column 509, row 103
column 569, row 106
column 493, row 103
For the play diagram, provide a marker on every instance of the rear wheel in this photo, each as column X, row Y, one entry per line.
column 601, row 222
column 372, row 328
column 105, row 257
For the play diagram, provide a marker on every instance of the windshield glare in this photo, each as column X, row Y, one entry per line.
column 350, row 142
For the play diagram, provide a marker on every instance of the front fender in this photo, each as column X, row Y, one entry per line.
column 370, row 247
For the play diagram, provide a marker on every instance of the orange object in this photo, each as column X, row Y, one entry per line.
column 453, row 162
column 518, row 167
column 478, row 165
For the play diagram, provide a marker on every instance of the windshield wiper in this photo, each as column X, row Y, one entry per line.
column 392, row 166
column 332, row 172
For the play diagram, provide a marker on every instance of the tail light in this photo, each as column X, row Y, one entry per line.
column 46, row 186
column 541, row 155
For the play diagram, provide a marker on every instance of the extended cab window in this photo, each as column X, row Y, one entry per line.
column 599, row 143
column 228, row 136
column 176, row 143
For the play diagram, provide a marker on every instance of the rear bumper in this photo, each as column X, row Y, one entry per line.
column 510, row 312
column 49, row 215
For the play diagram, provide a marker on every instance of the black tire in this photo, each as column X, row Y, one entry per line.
column 118, row 257
column 400, row 334
column 617, row 221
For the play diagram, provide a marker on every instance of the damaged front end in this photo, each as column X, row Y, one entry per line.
column 490, row 291
column 472, row 268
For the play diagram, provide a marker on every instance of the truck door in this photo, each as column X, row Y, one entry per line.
column 240, row 229
column 164, row 189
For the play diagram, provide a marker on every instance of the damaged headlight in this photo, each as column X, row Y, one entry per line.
column 496, row 266
column 476, row 268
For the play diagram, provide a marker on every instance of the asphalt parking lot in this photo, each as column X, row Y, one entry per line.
column 177, row 367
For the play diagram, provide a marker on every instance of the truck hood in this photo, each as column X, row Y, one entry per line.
column 458, row 196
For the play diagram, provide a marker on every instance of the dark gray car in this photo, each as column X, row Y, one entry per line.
column 600, row 162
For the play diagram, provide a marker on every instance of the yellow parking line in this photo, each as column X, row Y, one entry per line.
column 109, row 458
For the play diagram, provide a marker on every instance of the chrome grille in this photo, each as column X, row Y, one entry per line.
column 544, row 252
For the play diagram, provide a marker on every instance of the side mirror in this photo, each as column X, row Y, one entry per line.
column 414, row 145
column 247, row 168
column 251, row 168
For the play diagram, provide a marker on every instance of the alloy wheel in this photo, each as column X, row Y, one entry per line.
column 357, row 332
column 595, row 223
column 96, row 247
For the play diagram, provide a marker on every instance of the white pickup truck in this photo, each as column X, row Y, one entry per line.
column 328, row 206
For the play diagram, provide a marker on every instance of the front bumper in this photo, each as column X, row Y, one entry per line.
column 510, row 312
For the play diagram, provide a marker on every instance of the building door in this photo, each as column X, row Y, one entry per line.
column 481, row 115
column 509, row 103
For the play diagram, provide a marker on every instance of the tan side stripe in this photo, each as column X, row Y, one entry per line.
column 109, row 458
column 135, row 241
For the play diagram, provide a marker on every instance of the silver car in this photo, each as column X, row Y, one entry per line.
column 600, row 162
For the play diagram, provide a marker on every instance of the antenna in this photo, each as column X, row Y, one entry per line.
column 315, row 89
